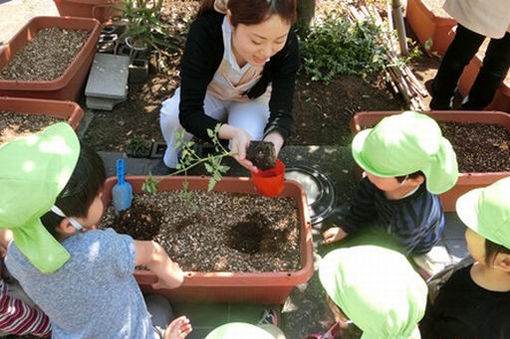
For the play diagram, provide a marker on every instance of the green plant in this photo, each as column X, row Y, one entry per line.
column 144, row 25
column 138, row 146
column 189, row 159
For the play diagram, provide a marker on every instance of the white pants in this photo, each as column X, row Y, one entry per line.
column 252, row 116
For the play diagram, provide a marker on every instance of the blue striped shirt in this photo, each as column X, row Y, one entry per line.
column 416, row 222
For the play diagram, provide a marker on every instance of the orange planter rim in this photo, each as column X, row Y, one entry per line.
column 69, row 110
column 236, row 185
column 38, row 23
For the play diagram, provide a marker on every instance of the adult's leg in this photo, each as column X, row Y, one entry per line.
column 251, row 116
column 169, row 121
column 495, row 67
column 462, row 49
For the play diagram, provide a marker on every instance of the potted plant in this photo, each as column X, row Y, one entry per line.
column 229, row 286
column 26, row 53
column 467, row 180
column 431, row 24
column 96, row 9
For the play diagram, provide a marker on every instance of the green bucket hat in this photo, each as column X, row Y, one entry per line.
column 34, row 171
column 239, row 330
column 487, row 211
column 405, row 143
column 377, row 289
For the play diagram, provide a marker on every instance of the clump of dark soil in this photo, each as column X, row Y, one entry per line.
column 141, row 221
column 479, row 147
column 14, row 125
column 46, row 56
column 262, row 154
column 220, row 231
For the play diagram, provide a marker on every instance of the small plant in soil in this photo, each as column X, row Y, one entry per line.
column 262, row 154
column 138, row 147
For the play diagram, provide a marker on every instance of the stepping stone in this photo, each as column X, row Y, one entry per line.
column 108, row 77
column 104, row 104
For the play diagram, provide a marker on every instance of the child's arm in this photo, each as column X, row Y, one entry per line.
column 18, row 318
column 152, row 255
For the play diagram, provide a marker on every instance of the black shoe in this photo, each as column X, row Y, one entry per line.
column 161, row 169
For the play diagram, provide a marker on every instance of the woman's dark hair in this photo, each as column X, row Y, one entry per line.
column 75, row 199
column 413, row 175
column 252, row 12
column 492, row 249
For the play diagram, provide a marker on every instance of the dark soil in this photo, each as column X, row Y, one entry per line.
column 46, row 56
column 479, row 147
column 262, row 154
column 217, row 231
column 13, row 125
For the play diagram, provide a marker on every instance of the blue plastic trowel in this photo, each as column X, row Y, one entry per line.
column 122, row 192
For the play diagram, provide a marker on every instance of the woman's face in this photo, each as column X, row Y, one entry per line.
column 255, row 44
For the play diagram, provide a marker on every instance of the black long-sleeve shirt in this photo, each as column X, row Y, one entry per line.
column 202, row 57
column 416, row 222
column 464, row 310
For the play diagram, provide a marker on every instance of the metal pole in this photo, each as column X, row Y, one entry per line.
column 398, row 20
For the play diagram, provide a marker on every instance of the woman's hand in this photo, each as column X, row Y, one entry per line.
column 240, row 140
column 277, row 140
column 5, row 239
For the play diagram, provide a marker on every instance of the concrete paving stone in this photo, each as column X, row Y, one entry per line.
column 457, row 248
column 248, row 313
column 103, row 104
column 108, row 77
column 85, row 121
column 208, row 315
column 454, row 228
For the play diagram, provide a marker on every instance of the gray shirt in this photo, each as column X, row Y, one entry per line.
column 94, row 295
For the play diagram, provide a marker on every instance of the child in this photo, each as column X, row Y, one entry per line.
column 475, row 301
column 407, row 163
column 375, row 288
column 18, row 315
column 50, row 197
column 238, row 68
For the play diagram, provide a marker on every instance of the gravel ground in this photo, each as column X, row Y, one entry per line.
column 46, row 56
column 479, row 147
column 14, row 125
column 218, row 231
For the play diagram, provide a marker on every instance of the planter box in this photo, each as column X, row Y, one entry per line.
column 256, row 287
column 426, row 25
column 501, row 101
column 59, row 109
column 68, row 85
column 466, row 181
column 86, row 8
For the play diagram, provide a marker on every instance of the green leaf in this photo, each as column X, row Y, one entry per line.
column 212, row 183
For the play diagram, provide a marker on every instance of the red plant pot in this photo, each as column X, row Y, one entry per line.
column 97, row 9
column 68, row 85
column 466, row 181
column 254, row 287
column 426, row 25
column 67, row 110
column 269, row 183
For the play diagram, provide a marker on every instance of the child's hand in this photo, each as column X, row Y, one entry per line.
column 178, row 329
column 172, row 279
column 5, row 239
column 333, row 234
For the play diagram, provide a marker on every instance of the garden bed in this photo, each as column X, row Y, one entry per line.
column 46, row 56
column 218, row 231
column 14, row 125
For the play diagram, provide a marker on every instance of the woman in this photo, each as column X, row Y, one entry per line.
column 238, row 69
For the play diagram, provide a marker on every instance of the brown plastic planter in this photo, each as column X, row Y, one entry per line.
column 466, row 181
column 96, row 9
column 426, row 25
column 501, row 101
column 67, row 110
column 256, row 287
column 68, row 85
